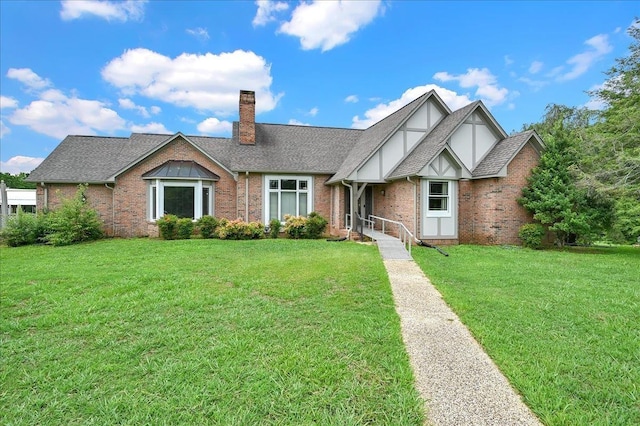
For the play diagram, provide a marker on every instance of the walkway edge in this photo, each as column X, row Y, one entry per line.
column 458, row 381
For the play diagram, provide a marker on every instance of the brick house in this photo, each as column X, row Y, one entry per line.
column 449, row 177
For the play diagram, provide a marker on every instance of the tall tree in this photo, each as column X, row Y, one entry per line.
column 611, row 156
column 570, row 211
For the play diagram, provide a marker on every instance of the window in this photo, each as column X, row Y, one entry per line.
column 192, row 199
column 438, row 198
column 287, row 195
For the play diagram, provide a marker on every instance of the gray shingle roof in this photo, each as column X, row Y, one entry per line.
column 373, row 137
column 501, row 154
column 289, row 148
column 433, row 144
column 279, row 149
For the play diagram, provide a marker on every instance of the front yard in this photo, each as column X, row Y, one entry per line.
column 201, row 332
column 564, row 326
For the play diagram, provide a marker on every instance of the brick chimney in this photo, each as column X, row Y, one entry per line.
column 247, row 117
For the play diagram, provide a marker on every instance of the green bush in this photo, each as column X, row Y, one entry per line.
column 168, row 227
column 24, row 229
column 239, row 230
column 531, row 235
column 207, row 226
column 73, row 222
column 316, row 225
column 184, row 228
column 310, row 227
column 274, row 228
column 294, row 226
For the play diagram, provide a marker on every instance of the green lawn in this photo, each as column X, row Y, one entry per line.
column 564, row 326
column 201, row 332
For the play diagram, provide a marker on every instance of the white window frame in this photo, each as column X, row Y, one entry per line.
column 427, row 188
column 156, row 187
column 267, row 192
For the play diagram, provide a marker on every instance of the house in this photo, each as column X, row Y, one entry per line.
column 448, row 176
column 19, row 200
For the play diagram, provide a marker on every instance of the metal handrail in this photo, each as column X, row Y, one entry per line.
column 405, row 236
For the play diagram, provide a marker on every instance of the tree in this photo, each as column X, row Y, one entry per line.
column 571, row 212
column 17, row 181
column 611, row 158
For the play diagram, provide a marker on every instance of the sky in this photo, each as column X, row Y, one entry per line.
column 111, row 68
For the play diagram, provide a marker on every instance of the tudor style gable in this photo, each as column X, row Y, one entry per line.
column 475, row 137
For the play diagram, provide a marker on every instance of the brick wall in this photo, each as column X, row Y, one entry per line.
column 98, row 197
column 489, row 212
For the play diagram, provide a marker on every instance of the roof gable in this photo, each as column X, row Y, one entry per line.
column 495, row 163
column 433, row 144
column 373, row 138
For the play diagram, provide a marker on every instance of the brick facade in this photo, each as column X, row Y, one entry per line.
column 488, row 209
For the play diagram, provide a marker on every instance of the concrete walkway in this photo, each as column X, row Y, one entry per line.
column 458, row 381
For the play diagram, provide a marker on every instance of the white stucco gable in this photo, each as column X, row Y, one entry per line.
column 401, row 142
column 475, row 137
column 445, row 165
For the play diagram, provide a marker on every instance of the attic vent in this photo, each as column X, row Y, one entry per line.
column 177, row 169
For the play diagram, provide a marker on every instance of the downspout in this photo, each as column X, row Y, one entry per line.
column 415, row 208
column 113, row 209
column 350, row 208
column 246, row 196
column 45, row 195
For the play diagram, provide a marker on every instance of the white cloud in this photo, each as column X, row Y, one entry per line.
column 207, row 82
column 486, row 83
column 7, row 102
column 507, row 60
column 380, row 111
column 214, row 126
column 266, row 11
column 534, row 84
column 351, row 99
column 200, row 33
column 29, row 78
column 58, row 115
column 327, row 24
column 598, row 47
column 4, row 130
column 155, row 110
column 313, row 111
column 20, row 164
column 110, row 10
column 295, row 122
column 535, row 67
column 129, row 104
column 150, row 128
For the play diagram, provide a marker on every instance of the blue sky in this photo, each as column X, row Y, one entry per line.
column 112, row 68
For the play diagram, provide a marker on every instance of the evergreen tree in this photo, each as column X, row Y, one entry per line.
column 570, row 212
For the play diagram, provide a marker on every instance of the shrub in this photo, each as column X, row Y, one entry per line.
column 294, row 226
column 239, row 230
column 184, row 228
column 23, row 229
column 305, row 227
column 207, row 226
column 531, row 235
column 315, row 226
column 168, row 227
column 274, row 228
column 73, row 222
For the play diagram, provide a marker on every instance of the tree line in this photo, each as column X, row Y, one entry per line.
column 587, row 185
